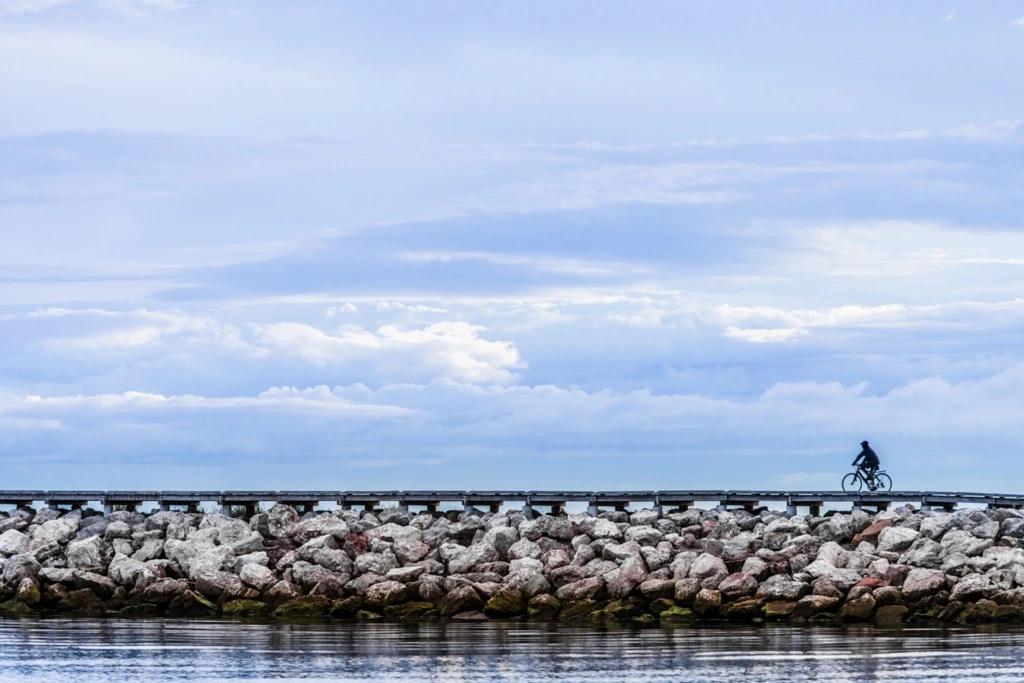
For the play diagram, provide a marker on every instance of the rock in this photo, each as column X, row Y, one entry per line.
column 920, row 583
column 859, row 609
column 20, row 567
column 281, row 592
column 117, row 530
column 60, row 531
column 28, row 592
column 501, row 539
column 738, row 585
column 81, row 601
column 524, row 548
column 972, row 588
column 87, row 553
column 652, row 589
column 385, row 593
column 319, row 525
column 245, row 608
column 543, row 608
column 16, row 608
column 102, row 586
column 706, row 566
column 838, row 528
column 198, row 557
column 778, row 610
column 411, row 610
column 870, row 534
column 307, row 607
column 163, row 591
column 986, row 530
column 130, row 573
column 468, row 558
column 707, row 602
column 621, row 582
column 676, row 615
column 376, row 563
column 810, row 605
column 223, row 587
column 508, row 601
column 586, row 589
column 686, row 591
column 463, row 599
column 13, row 542
column 152, row 549
column 959, row 541
column 896, row 539
column 782, row 588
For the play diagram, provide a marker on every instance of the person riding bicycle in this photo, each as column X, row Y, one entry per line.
column 869, row 463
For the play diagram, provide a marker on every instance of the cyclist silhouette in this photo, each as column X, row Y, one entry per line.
column 868, row 464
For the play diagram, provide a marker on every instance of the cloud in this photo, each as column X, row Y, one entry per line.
column 128, row 7
column 1019, row 21
column 950, row 17
column 449, row 349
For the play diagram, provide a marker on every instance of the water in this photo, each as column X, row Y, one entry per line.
column 87, row 651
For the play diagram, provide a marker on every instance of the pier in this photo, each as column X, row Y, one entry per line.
column 549, row 501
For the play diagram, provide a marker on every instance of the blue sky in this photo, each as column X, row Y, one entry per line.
column 510, row 244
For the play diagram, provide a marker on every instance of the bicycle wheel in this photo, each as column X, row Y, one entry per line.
column 852, row 482
column 884, row 481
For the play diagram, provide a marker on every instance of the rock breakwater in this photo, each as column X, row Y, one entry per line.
column 899, row 565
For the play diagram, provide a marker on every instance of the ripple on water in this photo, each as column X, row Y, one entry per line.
column 87, row 651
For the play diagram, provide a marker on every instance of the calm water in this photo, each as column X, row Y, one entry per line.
column 84, row 651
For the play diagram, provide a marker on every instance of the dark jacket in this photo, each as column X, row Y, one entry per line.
column 869, row 456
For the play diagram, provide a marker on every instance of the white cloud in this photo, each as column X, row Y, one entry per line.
column 1019, row 21
column 950, row 17
column 449, row 349
column 286, row 399
column 346, row 307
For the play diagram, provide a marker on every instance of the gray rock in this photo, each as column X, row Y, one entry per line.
column 375, row 563
column 88, row 553
column 61, row 530
column 468, row 558
column 131, row 573
column 621, row 581
column 18, row 567
column 896, row 539
column 706, row 566
column 587, row 589
column 963, row 542
column 780, row 587
column 260, row 558
column 986, row 530
column 257, row 576
column 13, row 542
column 524, row 548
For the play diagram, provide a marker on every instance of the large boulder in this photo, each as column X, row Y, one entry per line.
column 738, row 585
column 586, row 589
column 463, row 599
column 920, row 583
column 385, row 594
column 20, row 567
column 965, row 543
column 88, row 553
column 130, row 573
column 630, row 574
column 199, row 557
column 465, row 560
column 12, row 542
column 61, row 530
column 281, row 521
column 320, row 525
column 781, row 587
column 223, row 586
column 257, row 576
column 896, row 539
column 707, row 565
column 924, row 552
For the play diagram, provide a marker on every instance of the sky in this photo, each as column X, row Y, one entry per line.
column 540, row 245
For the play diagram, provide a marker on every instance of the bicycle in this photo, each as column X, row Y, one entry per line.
column 855, row 481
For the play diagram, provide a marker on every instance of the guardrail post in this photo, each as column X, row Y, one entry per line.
column 593, row 510
column 527, row 511
column 108, row 509
column 791, row 510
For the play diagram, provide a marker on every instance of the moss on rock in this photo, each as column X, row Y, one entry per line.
column 306, row 607
column 245, row 608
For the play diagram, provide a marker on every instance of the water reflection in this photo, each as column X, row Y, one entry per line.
column 95, row 650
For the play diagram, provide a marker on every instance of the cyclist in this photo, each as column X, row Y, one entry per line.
column 869, row 463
